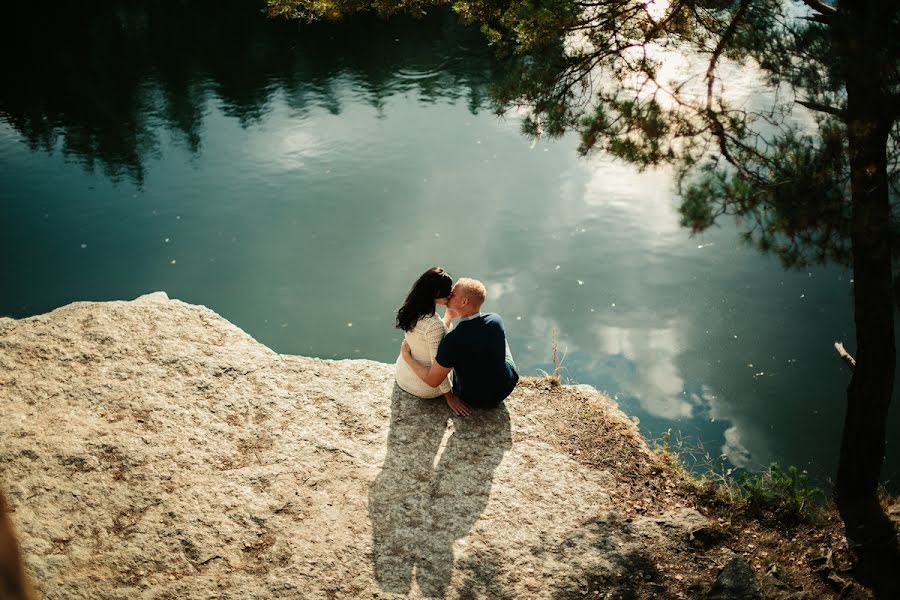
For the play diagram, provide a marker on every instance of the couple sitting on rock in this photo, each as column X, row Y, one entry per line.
column 475, row 350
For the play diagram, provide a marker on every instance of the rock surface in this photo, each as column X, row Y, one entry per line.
column 736, row 581
column 151, row 449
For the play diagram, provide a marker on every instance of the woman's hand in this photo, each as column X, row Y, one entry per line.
column 404, row 347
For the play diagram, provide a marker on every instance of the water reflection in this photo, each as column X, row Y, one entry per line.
column 652, row 352
column 98, row 81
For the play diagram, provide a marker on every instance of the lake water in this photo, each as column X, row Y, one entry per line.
column 297, row 179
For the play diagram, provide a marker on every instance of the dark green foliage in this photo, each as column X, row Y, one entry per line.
column 785, row 495
column 320, row 10
column 792, row 198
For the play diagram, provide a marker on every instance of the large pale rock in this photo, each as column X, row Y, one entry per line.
column 152, row 449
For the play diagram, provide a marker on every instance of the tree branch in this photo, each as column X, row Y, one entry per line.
column 845, row 355
column 822, row 108
column 825, row 11
column 717, row 127
column 720, row 47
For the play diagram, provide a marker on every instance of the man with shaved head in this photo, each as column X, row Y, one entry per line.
column 476, row 350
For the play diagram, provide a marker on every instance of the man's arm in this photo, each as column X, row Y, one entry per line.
column 433, row 376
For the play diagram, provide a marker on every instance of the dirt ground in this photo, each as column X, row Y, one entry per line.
column 798, row 561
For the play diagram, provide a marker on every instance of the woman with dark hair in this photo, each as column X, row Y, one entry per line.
column 423, row 329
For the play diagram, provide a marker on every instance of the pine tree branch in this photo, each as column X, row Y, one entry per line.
column 822, row 108
column 715, row 124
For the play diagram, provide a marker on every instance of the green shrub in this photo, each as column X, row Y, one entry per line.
column 788, row 495
column 783, row 495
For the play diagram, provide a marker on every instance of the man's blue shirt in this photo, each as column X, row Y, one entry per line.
column 476, row 351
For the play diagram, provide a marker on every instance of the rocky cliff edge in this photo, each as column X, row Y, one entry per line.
column 152, row 449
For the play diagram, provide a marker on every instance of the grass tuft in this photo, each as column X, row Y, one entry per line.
column 554, row 378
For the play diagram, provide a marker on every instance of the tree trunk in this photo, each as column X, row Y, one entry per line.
column 869, row 393
column 870, row 389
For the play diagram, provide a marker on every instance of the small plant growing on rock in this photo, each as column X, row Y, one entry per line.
column 788, row 495
column 554, row 378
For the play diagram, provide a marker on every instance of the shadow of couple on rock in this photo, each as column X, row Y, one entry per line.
column 429, row 493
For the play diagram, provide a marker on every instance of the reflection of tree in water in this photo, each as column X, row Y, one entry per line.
column 98, row 79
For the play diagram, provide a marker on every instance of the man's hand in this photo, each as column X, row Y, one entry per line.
column 457, row 406
column 404, row 347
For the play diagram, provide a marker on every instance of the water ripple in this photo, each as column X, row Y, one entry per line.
column 417, row 74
